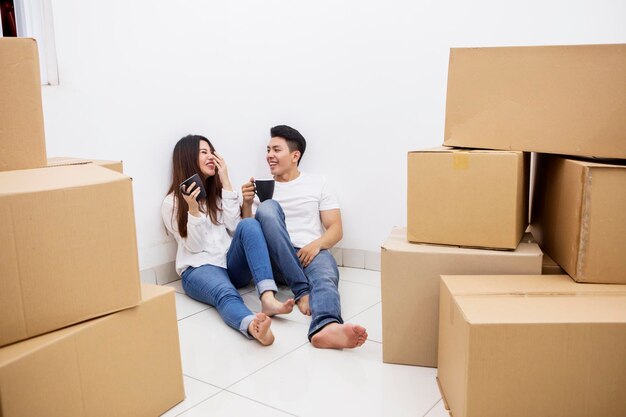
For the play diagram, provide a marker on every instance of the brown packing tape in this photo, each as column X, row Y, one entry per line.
column 545, row 294
column 460, row 161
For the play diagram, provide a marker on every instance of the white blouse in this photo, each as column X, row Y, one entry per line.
column 206, row 243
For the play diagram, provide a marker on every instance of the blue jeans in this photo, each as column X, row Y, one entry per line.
column 247, row 259
column 322, row 272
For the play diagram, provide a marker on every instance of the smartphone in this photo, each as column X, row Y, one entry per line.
column 194, row 179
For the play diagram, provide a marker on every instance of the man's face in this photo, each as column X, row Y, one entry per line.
column 279, row 158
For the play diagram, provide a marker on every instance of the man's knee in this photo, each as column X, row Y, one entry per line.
column 268, row 210
column 323, row 267
column 249, row 224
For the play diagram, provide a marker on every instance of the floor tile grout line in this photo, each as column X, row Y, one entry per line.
column 204, row 382
column 197, row 312
column 209, row 397
column 431, row 408
column 266, row 365
column 363, row 311
column 262, row 403
column 203, row 401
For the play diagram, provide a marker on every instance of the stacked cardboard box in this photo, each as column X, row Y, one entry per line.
column 531, row 346
column 470, row 198
column 77, row 337
column 544, row 344
column 410, row 289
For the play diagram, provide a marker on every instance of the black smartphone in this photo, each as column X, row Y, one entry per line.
column 194, row 179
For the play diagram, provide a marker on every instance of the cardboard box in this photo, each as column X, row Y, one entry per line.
column 68, row 250
column 579, row 217
column 553, row 99
column 123, row 364
column 58, row 161
column 532, row 346
column 22, row 140
column 467, row 198
column 410, row 289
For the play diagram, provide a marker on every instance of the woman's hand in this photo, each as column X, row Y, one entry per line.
column 190, row 194
column 222, row 171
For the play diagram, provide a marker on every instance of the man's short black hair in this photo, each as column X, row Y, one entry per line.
column 295, row 141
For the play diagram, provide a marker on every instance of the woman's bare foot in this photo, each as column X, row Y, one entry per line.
column 340, row 336
column 259, row 328
column 271, row 306
column 303, row 305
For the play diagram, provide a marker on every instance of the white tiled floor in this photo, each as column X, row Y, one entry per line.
column 228, row 375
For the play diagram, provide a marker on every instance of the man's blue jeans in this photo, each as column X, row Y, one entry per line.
column 247, row 259
column 322, row 272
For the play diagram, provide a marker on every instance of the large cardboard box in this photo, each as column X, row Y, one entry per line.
column 123, row 364
column 553, row 99
column 579, row 217
column 58, row 161
column 467, row 198
column 532, row 346
column 22, row 141
column 410, row 289
column 68, row 250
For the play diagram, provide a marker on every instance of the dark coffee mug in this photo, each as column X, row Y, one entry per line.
column 264, row 189
column 194, row 179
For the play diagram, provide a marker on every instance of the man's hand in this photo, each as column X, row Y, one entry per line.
column 247, row 192
column 309, row 252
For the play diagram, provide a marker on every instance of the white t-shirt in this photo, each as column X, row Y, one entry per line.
column 206, row 243
column 302, row 200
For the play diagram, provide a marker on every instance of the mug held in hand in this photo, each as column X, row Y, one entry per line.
column 194, row 179
column 264, row 189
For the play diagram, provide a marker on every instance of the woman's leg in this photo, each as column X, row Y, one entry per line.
column 211, row 285
column 247, row 259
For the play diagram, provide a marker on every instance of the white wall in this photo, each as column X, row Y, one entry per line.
column 364, row 81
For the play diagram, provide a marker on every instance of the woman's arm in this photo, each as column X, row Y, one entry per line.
column 196, row 228
column 231, row 213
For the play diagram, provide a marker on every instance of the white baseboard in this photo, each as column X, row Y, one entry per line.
column 350, row 258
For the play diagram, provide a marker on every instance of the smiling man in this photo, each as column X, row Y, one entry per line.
column 301, row 223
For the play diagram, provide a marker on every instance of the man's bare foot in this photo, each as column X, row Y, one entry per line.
column 259, row 328
column 340, row 336
column 303, row 305
column 271, row 306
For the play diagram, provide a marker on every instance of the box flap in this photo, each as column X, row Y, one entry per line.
column 44, row 179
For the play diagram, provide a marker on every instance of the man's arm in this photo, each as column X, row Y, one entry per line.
column 331, row 219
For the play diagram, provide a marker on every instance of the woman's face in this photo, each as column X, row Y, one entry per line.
column 206, row 160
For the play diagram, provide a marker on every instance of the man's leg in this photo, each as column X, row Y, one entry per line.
column 327, row 328
column 248, row 258
column 283, row 256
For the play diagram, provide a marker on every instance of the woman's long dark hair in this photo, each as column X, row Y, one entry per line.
column 185, row 164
